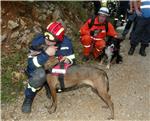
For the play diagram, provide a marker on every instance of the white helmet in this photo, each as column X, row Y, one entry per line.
column 104, row 10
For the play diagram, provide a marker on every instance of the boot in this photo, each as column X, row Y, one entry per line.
column 85, row 58
column 142, row 50
column 47, row 89
column 131, row 51
column 27, row 104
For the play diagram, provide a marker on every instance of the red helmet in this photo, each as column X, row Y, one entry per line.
column 55, row 30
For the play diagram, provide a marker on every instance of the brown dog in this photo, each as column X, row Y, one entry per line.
column 78, row 75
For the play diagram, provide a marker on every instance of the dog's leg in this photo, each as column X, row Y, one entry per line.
column 102, row 57
column 107, row 99
column 109, row 62
column 102, row 61
column 103, row 93
column 51, row 80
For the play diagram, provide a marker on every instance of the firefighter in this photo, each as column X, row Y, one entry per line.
column 43, row 46
column 141, row 33
column 131, row 19
column 94, row 32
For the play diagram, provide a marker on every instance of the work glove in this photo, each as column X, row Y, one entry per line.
column 120, row 38
column 91, row 33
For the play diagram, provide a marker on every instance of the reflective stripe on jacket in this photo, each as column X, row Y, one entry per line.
column 145, row 8
column 65, row 48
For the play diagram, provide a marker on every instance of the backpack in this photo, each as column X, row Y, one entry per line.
column 92, row 23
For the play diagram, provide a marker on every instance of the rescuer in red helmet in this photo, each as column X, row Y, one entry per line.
column 52, row 43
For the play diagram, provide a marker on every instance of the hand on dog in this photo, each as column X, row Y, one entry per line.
column 65, row 60
column 50, row 63
column 119, row 38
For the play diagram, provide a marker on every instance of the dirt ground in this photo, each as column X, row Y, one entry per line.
column 129, row 89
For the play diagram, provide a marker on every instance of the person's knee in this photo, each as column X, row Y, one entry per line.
column 38, row 78
column 100, row 44
column 86, row 39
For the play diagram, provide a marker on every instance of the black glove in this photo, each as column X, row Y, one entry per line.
column 120, row 38
column 95, row 32
column 92, row 33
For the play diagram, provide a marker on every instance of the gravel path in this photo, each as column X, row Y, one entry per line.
column 129, row 89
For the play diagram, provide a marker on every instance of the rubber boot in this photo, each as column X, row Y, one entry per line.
column 47, row 89
column 131, row 50
column 142, row 50
column 27, row 104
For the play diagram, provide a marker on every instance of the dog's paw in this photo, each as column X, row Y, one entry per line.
column 119, row 59
column 110, row 118
column 50, row 109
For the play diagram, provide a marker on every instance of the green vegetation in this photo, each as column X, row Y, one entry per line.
column 13, row 60
column 75, row 7
column 11, row 77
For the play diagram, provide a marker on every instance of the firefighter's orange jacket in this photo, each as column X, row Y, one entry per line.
column 85, row 30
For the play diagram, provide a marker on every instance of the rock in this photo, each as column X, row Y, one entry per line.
column 3, row 11
column 37, row 29
column 42, row 17
column 18, row 46
column 49, row 12
column 3, row 37
column 12, row 24
column 14, row 34
column 26, row 38
column 57, row 14
column 45, row 5
column 23, row 24
column 51, row 7
column 27, row 31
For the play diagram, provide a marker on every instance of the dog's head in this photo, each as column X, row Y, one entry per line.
column 113, row 44
column 109, row 49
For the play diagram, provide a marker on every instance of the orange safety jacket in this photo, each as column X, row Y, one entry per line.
column 98, row 39
column 85, row 30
